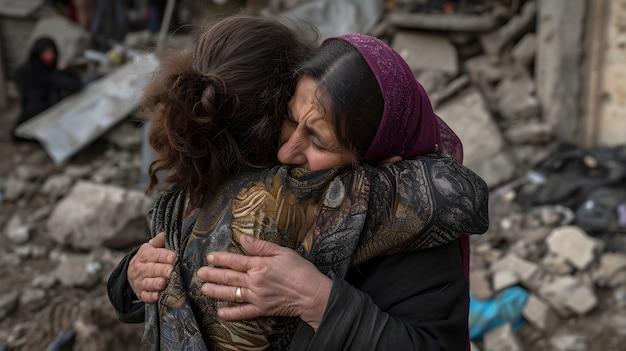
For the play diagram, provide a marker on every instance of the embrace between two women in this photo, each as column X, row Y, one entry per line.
column 260, row 136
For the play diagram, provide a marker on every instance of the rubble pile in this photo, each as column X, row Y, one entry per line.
column 546, row 276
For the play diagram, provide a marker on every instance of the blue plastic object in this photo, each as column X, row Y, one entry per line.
column 506, row 307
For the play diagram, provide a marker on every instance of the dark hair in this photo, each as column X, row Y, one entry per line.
column 217, row 110
column 347, row 86
column 41, row 44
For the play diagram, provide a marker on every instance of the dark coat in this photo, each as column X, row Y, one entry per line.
column 40, row 85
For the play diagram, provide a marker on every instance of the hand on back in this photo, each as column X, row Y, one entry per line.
column 275, row 281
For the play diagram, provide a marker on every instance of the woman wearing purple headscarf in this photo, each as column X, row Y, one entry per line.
column 357, row 100
column 326, row 222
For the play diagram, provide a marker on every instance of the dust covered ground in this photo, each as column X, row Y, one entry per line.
column 37, row 312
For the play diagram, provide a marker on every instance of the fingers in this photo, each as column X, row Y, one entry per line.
column 230, row 260
column 244, row 311
column 258, row 247
column 222, row 276
column 149, row 296
column 158, row 240
column 239, row 313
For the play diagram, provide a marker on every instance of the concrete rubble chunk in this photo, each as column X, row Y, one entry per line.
column 611, row 267
column 8, row 303
column 524, row 269
column 567, row 296
column 524, row 51
column 74, row 271
column 504, row 279
column 502, row 338
column 534, row 133
column 467, row 114
column 479, row 284
column 424, row 51
column 493, row 43
column 574, row 245
column 556, row 264
column 92, row 214
column 569, row 342
column 539, row 314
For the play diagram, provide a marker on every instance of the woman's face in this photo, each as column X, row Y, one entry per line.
column 307, row 138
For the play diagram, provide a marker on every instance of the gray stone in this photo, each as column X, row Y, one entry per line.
column 479, row 284
column 92, row 214
column 502, row 338
column 568, row 343
column 525, row 270
column 33, row 299
column 8, row 304
column 556, row 264
column 525, row 50
column 483, row 144
column 611, row 270
column 574, row 245
column 504, row 279
column 539, row 313
column 45, row 282
column 567, row 295
column 73, row 271
column 423, row 51
column 17, row 231
column 535, row 133
column 494, row 42
column 57, row 186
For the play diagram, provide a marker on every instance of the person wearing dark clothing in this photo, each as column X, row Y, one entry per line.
column 41, row 83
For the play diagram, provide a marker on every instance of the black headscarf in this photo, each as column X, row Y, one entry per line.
column 41, row 85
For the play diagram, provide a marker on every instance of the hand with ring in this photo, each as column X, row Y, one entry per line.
column 274, row 281
column 238, row 297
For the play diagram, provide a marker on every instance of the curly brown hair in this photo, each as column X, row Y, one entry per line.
column 216, row 110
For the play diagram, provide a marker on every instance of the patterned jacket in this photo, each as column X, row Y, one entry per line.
column 335, row 218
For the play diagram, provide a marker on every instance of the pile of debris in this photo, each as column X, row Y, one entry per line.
column 555, row 242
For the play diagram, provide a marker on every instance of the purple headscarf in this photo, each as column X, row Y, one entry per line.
column 409, row 127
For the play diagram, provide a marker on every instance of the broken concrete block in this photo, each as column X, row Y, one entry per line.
column 574, row 245
column 556, row 264
column 423, row 51
column 525, row 270
column 539, row 313
column 502, row 338
column 568, row 295
column 524, row 51
column 467, row 114
column 479, row 284
column 504, row 279
column 92, row 214
column 611, row 266
column 569, row 342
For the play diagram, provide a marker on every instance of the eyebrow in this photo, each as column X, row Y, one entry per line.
column 314, row 132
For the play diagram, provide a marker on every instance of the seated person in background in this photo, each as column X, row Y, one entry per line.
column 332, row 217
column 42, row 81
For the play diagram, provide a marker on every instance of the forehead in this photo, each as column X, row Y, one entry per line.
column 306, row 102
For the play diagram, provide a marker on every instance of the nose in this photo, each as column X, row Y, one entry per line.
column 291, row 152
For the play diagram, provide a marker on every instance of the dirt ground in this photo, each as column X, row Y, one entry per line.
column 37, row 322
column 35, row 326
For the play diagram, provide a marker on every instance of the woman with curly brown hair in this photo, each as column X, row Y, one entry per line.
column 335, row 218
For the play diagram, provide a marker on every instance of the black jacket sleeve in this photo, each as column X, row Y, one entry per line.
column 410, row 301
column 128, row 307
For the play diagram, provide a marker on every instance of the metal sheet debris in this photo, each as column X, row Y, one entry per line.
column 79, row 119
